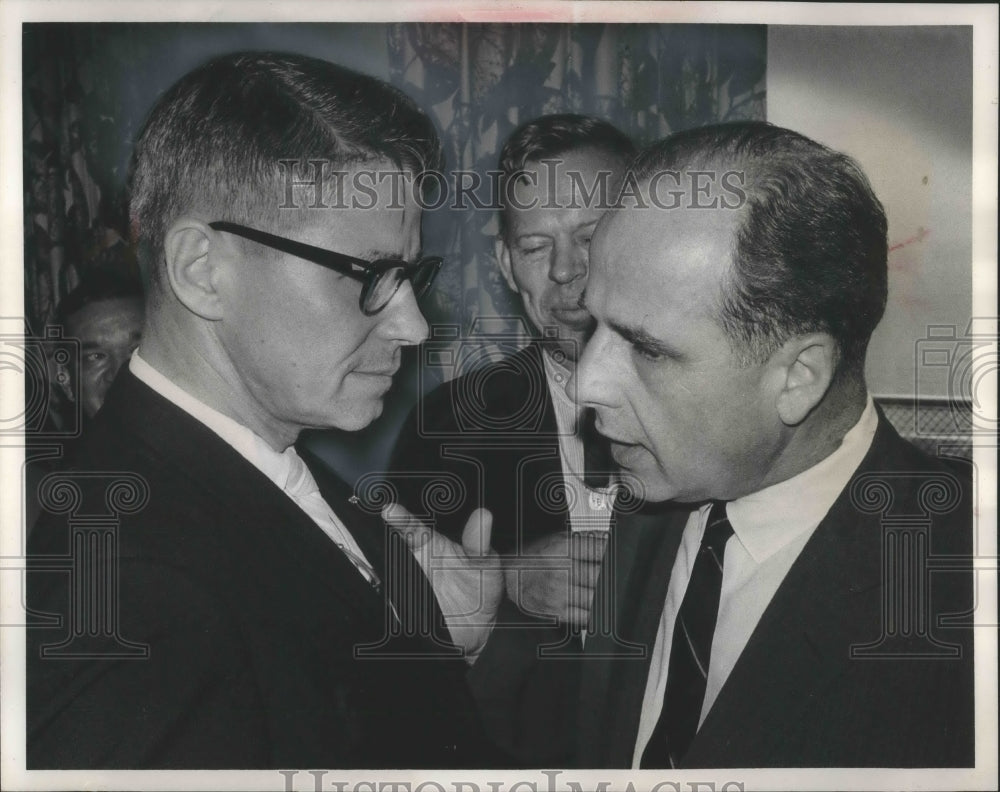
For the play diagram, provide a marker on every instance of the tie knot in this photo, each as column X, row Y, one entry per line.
column 718, row 529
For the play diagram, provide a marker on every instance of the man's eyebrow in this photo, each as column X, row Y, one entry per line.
column 640, row 338
column 530, row 234
column 374, row 255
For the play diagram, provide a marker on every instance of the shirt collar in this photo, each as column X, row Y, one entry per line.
column 282, row 468
column 768, row 520
column 557, row 375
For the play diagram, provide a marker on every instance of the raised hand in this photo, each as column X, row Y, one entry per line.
column 467, row 578
column 556, row 575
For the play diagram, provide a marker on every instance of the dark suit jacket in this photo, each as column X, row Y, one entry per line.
column 806, row 692
column 487, row 438
column 239, row 620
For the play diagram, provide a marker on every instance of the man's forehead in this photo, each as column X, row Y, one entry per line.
column 567, row 179
column 125, row 305
column 373, row 183
column 659, row 250
column 366, row 224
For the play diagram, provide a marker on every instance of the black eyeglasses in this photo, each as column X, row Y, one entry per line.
column 381, row 278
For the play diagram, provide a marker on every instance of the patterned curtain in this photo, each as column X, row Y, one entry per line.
column 83, row 93
column 479, row 81
column 74, row 219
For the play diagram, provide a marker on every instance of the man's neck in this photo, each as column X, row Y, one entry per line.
column 820, row 434
column 178, row 353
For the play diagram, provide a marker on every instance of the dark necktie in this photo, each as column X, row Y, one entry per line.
column 691, row 649
column 597, row 460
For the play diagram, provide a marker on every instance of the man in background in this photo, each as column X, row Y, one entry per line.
column 105, row 314
column 508, row 436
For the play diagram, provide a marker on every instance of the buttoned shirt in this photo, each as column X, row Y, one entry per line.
column 770, row 528
column 589, row 509
column 286, row 468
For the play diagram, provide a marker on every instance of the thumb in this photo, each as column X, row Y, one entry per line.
column 411, row 528
column 477, row 533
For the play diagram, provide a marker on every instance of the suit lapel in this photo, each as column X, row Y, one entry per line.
column 635, row 574
column 800, row 644
column 524, row 388
column 404, row 583
column 247, row 498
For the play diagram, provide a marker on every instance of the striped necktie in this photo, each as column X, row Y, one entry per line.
column 691, row 649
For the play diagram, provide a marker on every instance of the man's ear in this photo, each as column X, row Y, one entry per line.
column 503, row 258
column 192, row 269
column 806, row 365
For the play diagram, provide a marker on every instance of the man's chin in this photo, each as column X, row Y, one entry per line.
column 354, row 418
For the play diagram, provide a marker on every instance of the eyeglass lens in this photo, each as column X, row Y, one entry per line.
column 387, row 282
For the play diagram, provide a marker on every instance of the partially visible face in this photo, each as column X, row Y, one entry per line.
column 298, row 341
column 544, row 252
column 108, row 331
column 684, row 416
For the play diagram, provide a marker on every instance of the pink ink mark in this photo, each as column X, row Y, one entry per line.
column 920, row 236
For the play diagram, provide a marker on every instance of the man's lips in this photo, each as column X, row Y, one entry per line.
column 380, row 373
column 572, row 315
column 619, row 446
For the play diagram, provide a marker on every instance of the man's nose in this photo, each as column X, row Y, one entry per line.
column 569, row 262
column 594, row 381
column 403, row 320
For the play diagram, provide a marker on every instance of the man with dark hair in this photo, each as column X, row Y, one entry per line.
column 249, row 612
column 785, row 621
column 105, row 314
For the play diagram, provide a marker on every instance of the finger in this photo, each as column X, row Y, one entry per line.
column 551, row 545
column 411, row 528
column 581, row 595
column 587, row 575
column 589, row 547
column 477, row 533
column 577, row 617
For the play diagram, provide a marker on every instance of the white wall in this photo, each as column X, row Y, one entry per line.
column 899, row 100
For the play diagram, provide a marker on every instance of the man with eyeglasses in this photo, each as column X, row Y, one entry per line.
column 228, row 603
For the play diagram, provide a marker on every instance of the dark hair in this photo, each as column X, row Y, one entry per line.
column 97, row 287
column 810, row 254
column 213, row 142
column 552, row 135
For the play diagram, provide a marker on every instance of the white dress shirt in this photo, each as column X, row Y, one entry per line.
column 286, row 469
column 589, row 509
column 770, row 528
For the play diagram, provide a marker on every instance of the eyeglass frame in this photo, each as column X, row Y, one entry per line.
column 367, row 272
